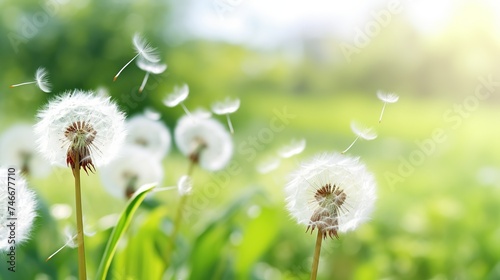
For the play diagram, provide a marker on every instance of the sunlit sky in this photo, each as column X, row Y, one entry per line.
column 265, row 23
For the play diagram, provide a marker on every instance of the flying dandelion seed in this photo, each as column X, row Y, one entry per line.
column 133, row 168
column 41, row 80
column 153, row 136
column 185, row 185
column 268, row 165
column 226, row 107
column 386, row 98
column 152, row 114
column 204, row 141
column 144, row 50
column 25, row 206
column 177, row 97
column 149, row 68
column 361, row 132
column 294, row 148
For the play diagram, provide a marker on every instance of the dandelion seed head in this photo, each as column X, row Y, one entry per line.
column 179, row 94
column 42, row 79
column 387, row 97
column 151, row 67
column 366, row 133
column 78, row 122
column 184, row 185
column 331, row 192
column 153, row 136
column 228, row 106
column 133, row 168
column 144, row 49
column 18, row 149
column 294, row 148
column 204, row 141
column 25, row 209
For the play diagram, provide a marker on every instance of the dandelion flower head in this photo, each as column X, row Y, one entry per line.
column 151, row 135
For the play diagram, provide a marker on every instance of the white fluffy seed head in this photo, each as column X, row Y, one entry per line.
column 153, row 136
column 204, row 139
column 133, row 168
column 24, row 205
column 144, row 49
column 295, row 147
column 387, row 97
column 366, row 133
column 42, row 79
column 18, row 149
column 179, row 94
column 227, row 106
column 337, row 213
column 151, row 67
column 184, row 185
column 77, row 107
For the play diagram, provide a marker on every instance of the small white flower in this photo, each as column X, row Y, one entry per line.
column 177, row 97
column 24, row 209
column 132, row 169
column 332, row 192
column 80, row 123
column 149, row 68
column 18, row 149
column 143, row 49
column 365, row 133
column 153, row 136
column 294, row 148
column 268, row 165
column 41, row 80
column 226, row 107
column 184, row 185
column 204, row 141
column 386, row 98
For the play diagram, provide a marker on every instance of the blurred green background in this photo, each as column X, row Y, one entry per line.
column 438, row 204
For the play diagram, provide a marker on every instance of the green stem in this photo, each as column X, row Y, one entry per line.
column 317, row 250
column 182, row 202
column 82, row 272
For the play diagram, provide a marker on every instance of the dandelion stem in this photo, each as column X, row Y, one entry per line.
column 144, row 81
column 82, row 272
column 317, row 250
column 119, row 72
column 229, row 124
column 22, row 84
column 185, row 109
column 352, row 144
column 382, row 113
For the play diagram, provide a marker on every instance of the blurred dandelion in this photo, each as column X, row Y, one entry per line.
column 143, row 50
column 150, row 68
column 386, row 98
column 361, row 132
column 133, row 168
column 226, row 107
column 184, row 185
column 152, row 114
column 153, row 136
column 177, row 97
column 41, row 80
column 295, row 147
column 267, row 165
column 81, row 130
column 24, row 208
column 331, row 193
column 18, row 146
column 204, row 141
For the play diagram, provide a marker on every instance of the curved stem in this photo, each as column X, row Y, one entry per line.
column 352, row 144
column 317, row 250
column 82, row 272
column 119, row 72
column 382, row 113
column 229, row 124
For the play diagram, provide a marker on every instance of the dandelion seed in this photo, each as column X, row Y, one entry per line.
column 41, row 80
column 185, row 185
column 386, row 98
column 177, row 97
column 152, row 114
column 149, row 68
column 294, row 148
column 71, row 237
column 80, row 122
column 204, row 141
column 226, row 107
column 153, row 136
column 25, row 206
column 133, row 168
column 202, row 113
column 18, row 146
column 361, row 132
column 268, row 165
column 144, row 50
